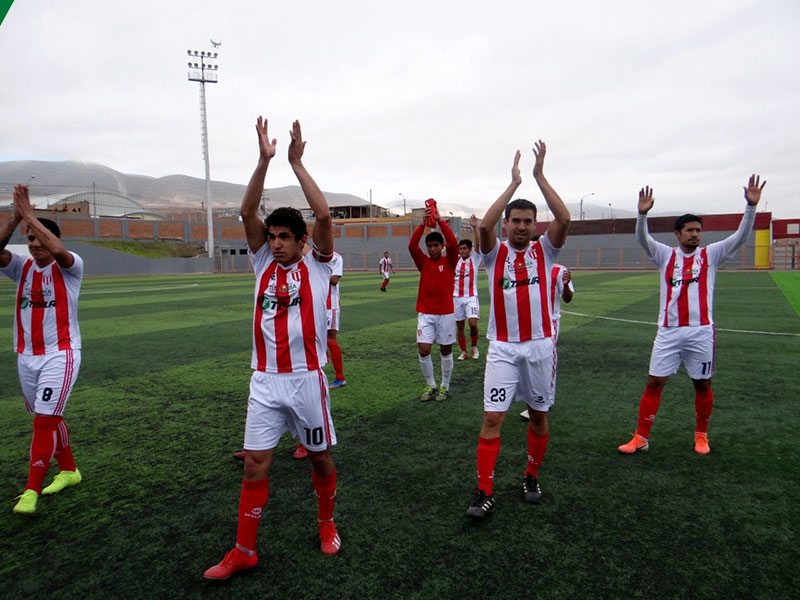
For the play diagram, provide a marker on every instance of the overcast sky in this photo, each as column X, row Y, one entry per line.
column 422, row 98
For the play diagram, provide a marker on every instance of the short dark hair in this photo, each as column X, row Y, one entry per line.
column 51, row 226
column 286, row 216
column 467, row 243
column 687, row 218
column 434, row 236
column 520, row 204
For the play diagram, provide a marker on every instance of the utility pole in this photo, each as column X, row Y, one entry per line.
column 204, row 72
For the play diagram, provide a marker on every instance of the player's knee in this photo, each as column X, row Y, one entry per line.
column 702, row 385
column 656, row 382
column 492, row 420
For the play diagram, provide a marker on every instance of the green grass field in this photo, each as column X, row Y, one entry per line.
column 160, row 404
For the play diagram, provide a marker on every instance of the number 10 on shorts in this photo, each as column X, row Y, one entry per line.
column 313, row 436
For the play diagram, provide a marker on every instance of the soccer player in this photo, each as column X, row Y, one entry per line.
column 47, row 340
column 685, row 315
column 521, row 357
column 288, row 389
column 561, row 288
column 465, row 292
column 384, row 266
column 332, row 315
column 436, row 321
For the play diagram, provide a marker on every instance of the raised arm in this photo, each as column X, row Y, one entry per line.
column 450, row 242
column 486, row 236
column 24, row 211
column 413, row 246
column 7, row 229
column 323, row 224
column 559, row 226
column 476, row 240
column 643, row 237
column 254, row 229
column 752, row 194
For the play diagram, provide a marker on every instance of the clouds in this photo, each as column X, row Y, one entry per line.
column 423, row 98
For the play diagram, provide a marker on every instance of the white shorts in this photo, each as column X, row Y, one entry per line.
column 385, row 275
column 47, row 380
column 692, row 346
column 440, row 329
column 294, row 402
column 466, row 307
column 524, row 371
column 332, row 317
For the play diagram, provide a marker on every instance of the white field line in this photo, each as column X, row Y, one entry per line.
column 656, row 325
column 152, row 289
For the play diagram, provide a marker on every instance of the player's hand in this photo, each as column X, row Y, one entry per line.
column 539, row 150
column 646, row 200
column 752, row 193
column 567, row 277
column 297, row 144
column 22, row 201
column 473, row 221
column 265, row 147
column 516, row 177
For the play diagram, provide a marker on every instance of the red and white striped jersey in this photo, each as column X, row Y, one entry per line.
column 687, row 280
column 557, row 289
column 384, row 265
column 335, row 265
column 466, row 282
column 46, row 312
column 289, row 320
column 519, row 288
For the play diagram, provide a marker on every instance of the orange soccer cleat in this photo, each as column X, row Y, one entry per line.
column 234, row 561
column 330, row 542
column 701, row 443
column 637, row 444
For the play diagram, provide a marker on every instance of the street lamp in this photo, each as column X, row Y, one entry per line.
column 404, row 204
column 205, row 71
column 582, row 197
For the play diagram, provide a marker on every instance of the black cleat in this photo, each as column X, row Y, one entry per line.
column 482, row 506
column 531, row 492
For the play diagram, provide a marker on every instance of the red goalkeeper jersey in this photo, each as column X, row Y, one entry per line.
column 437, row 277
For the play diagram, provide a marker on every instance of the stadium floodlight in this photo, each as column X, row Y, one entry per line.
column 205, row 72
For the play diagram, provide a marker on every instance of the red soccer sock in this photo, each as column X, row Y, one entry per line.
column 336, row 357
column 462, row 343
column 648, row 407
column 488, row 449
column 63, row 450
column 325, row 488
column 384, row 284
column 703, row 403
column 537, row 446
column 252, row 501
column 473, row 339
column 43, row 446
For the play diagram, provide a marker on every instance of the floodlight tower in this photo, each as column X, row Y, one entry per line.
column 205, row 71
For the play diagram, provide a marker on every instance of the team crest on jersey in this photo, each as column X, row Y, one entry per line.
column 296, row 275
column 47, row 279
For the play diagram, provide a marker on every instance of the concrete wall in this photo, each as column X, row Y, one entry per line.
column 102, row 261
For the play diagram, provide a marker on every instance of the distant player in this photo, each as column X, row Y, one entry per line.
column 685, row 317
column 435, row 322
column 561, row 288
column 384, row 267
column 47, row 340
column 465, row 293
column 521, row 358
column 288, row 389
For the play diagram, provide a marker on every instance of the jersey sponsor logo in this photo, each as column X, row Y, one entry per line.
column 278, row 303
column 506, row 283
column 678, row 282
column 31, row 303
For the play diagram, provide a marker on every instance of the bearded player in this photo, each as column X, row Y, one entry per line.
column 288, row 389
column 521, row 359
column 685, row 315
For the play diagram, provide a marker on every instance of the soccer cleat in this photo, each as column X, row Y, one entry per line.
column 300, row 452
column 475, row 353
column 701, row 443
column 637, row 444
column 239, row 455
column 62, row 480
column 524, row 414
column 482, row 506
column 462, row 356
column 234, row 561
column 27, row 503
column 330, row 542
column 427, row 394
column 442, row 395
column 337, row 383
column 531, row 492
